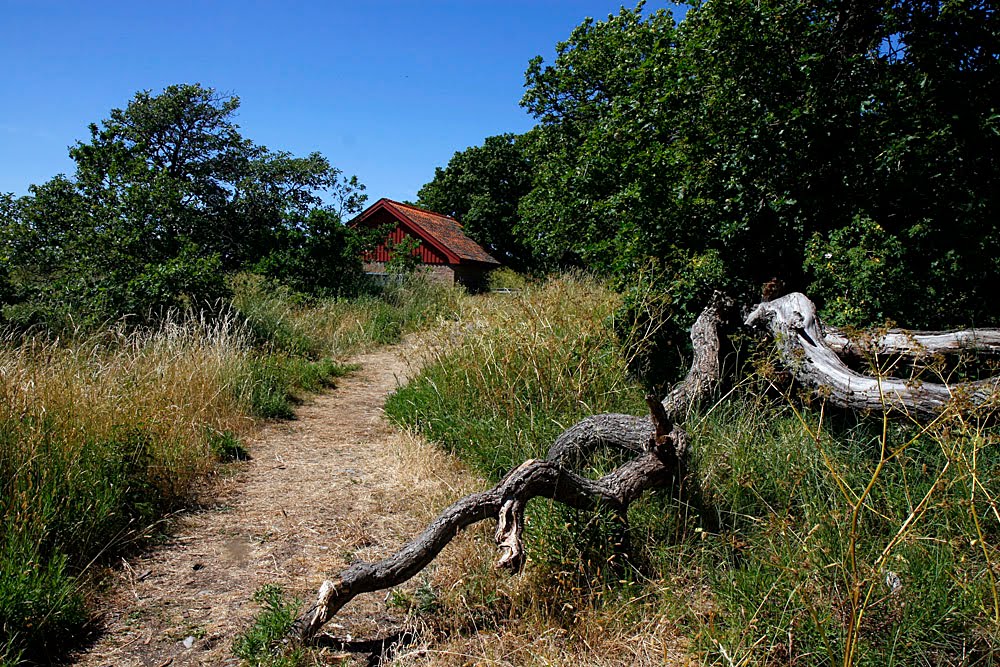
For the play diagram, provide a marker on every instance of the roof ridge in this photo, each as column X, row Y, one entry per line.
column 425, row 210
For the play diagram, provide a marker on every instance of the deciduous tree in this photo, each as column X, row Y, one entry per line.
column 482, row 187
column 167, row 198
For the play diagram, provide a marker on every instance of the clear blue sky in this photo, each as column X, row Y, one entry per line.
column 386, row 90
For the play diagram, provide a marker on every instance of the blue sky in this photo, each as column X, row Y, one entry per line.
column 386, row 90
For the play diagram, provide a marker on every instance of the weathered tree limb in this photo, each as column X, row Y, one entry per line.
column 658, row 442
column 533, row 478
column 916, row 344
column 799, row 336
column 630, row 433
column 706, row 366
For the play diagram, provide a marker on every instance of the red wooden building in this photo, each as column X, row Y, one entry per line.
column 446, row 252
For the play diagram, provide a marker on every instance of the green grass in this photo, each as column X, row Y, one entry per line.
column 265, row 643
column 102, row 435
column 528, row 366
column 805, row 537
column 803, row 518
column 269, row 385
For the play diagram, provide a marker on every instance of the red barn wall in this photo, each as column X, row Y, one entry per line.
column 426, row 253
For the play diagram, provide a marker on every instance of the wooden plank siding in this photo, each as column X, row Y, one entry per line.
column 426, row 253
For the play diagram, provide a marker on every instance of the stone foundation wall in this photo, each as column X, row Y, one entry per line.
column 441, row 273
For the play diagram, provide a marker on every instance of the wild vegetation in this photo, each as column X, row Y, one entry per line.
column 104, row 433
column 843, row 150
column 807, row 535
column 168, row 199
column 184, row 281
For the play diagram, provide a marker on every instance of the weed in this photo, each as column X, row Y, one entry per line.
column 226, row 446
column 100, row 435
column 265, row 643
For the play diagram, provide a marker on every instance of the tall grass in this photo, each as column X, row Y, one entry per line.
column 526, row 366
column 833, row 539
column 284, row 321
column 806, row 537
column 98, row 438
column 101, row 435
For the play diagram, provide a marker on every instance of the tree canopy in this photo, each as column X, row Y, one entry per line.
column 842, row 148
column 167, row 198
column 482, row 187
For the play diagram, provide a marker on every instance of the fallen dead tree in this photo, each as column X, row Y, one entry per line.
column 659, row 442
column 801, row 342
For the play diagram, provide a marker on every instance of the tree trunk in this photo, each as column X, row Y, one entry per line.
column 917, row 344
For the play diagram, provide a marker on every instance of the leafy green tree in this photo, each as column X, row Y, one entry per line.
column 166, row 199
column 734, row 147
column 482, row 187
column 602, row 128
column 403, row 259
column 8, row 215
column 315, row 254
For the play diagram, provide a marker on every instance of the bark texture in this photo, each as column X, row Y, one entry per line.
column 917, row 344
column 658, row 443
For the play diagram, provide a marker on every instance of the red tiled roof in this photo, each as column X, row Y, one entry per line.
column 442, row 229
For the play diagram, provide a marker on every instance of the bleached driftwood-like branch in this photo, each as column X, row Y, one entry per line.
column 801, row 341
column 915, row 344
column 659, row 443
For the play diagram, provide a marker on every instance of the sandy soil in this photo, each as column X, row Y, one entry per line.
column 321, row 491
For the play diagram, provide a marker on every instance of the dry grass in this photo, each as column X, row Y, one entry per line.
column 101, row 435
column 464, row 629
column 173, row 384
column 509, row 375
column 807, row 537
column 98, row 437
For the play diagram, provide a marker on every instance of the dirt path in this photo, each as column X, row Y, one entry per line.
column 332, row 486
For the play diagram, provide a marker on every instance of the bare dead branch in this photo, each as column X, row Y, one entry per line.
column 658, row 443
column 798, row 333
column 532, row 479
column 917, row 344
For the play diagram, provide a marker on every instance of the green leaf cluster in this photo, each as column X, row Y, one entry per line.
column 844, row 149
